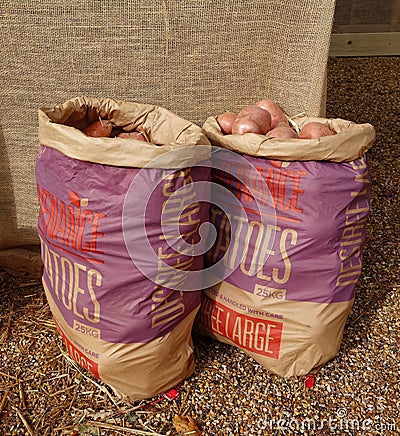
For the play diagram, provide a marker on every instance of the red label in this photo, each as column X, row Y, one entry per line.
column 171, row 394
column 80, row 358
column 309, row 381
column 257, row 335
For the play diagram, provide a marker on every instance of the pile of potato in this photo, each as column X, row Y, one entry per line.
column 267, row 118
column 103, row 128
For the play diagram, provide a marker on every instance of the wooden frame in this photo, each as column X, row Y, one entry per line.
column 365, row 44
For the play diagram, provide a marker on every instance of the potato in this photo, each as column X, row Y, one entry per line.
column 282, row 132
column 244, row 124
column 315, row 129
column 253, row 114
column 225, row 122
column 277, row 114
column 133, row 135
column 99, row 129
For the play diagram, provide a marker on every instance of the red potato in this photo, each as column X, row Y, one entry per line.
column 99, row 129
column 277, row 114
column 245, row 124
column 283, row 124
column 282, row 132
column 133, row 135
column 225, row 122
column 315, row 129
column 249, row 116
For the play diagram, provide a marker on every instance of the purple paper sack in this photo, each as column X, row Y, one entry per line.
column 113, row 275
column 292, row 260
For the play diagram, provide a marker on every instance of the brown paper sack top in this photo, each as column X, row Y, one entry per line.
column 350, row 142
column 59, row 129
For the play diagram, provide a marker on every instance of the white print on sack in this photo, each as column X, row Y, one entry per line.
column 65, row 226
column 168, row 303
column 351, row 237
column 260, row 336
column 71, row 282
column 252, row 260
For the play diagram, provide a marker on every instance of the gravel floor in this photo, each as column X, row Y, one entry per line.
column 357, row 393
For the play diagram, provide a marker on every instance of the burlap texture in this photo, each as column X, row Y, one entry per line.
column 194, row 58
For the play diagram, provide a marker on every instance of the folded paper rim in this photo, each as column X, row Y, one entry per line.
column 350, row 142
column 167, row 132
